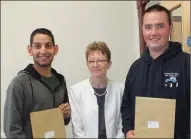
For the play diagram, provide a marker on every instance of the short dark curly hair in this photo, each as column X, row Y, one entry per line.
column 42, row 31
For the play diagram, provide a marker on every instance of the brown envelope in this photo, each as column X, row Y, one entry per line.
column 48, row 124
column 154, row 117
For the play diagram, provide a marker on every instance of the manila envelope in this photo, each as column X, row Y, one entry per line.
column 154, row 117
column 48, row 124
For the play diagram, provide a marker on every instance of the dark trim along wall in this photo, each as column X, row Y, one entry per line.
column 141, row 9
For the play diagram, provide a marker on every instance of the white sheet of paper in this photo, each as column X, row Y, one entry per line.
column 49, row 134
column 153, row 124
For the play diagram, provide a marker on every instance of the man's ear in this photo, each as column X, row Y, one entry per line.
column 29, row 48
column 171, row 29
column 55, row 49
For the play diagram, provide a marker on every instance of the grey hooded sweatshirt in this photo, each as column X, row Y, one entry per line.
column 28, row 93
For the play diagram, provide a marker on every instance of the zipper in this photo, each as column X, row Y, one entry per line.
column 54, row 105
column 52, row 92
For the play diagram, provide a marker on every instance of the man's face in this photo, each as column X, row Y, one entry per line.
column 98, row 63
column 42, row 50
column 156, row 30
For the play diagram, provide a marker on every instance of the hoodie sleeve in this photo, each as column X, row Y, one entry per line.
column 188, row 94
column 126, row 107
column 13, row 110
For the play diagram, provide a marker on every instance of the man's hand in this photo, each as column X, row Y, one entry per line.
column 130, row 134
column 66, row 110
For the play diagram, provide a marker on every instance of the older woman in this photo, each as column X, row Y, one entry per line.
column 96, row 101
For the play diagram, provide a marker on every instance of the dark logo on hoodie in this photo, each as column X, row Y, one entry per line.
column 171, row 79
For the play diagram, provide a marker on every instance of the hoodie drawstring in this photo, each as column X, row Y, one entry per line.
column 162, row 75
column 145, row 78
column 30, row 109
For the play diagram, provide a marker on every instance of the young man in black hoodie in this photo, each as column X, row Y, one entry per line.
column 37, row 87
column 163, row 71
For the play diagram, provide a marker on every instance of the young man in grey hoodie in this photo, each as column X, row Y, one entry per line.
column 37, row 87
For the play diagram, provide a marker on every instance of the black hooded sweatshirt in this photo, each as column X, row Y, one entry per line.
column 168, row 76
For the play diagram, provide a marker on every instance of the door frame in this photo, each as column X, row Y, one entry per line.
column 141, row 4
column 185, row 7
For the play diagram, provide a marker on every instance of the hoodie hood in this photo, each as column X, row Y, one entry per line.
column 32, row 71
column 173, row 49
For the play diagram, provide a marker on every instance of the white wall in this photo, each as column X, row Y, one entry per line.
column 74, row 24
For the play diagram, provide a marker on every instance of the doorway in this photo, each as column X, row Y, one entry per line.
column 180, row 12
